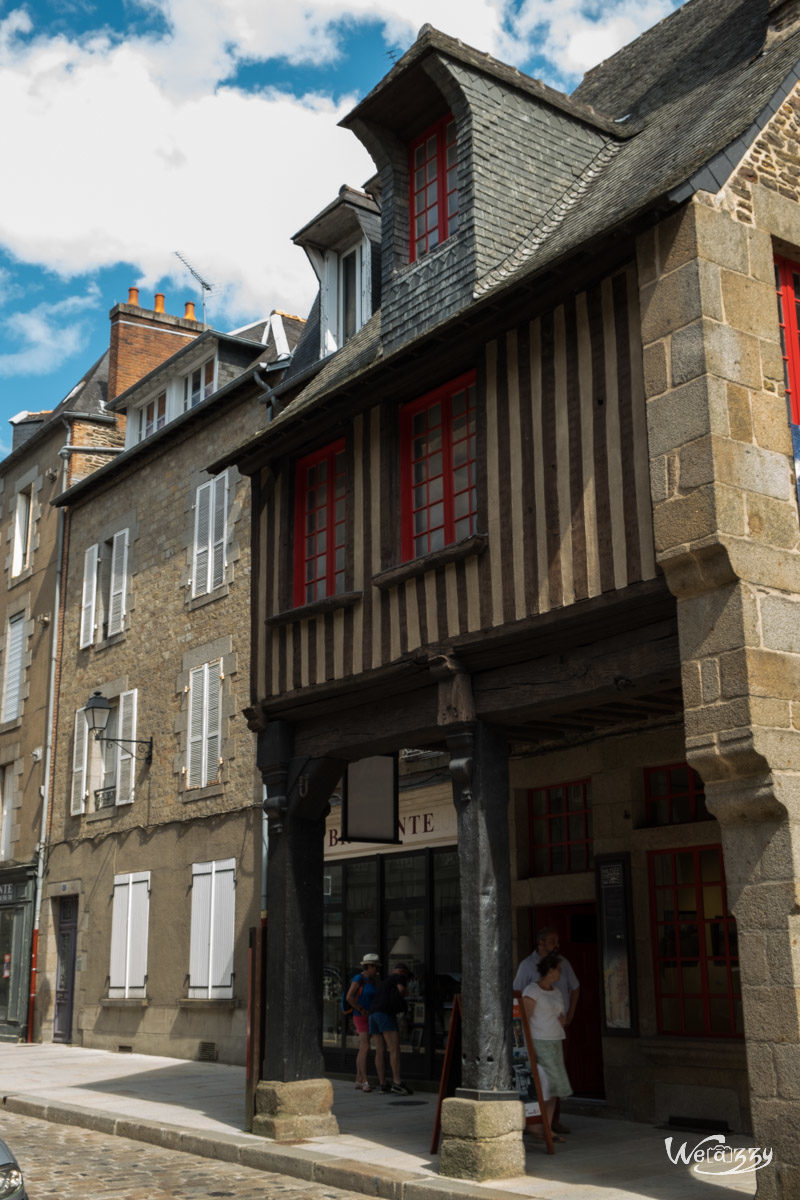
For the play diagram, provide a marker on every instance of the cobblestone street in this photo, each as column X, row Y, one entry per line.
column 64, row 1163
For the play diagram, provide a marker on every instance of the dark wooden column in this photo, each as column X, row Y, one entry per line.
column 298, row 792
column 479, row 768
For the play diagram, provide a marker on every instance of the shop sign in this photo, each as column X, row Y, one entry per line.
column 9, row 892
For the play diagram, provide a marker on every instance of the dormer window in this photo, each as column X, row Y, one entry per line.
column 350, row 306
column 153, row 416
column 198, row 385
column 433, row 175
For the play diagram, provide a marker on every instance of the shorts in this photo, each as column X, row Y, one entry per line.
column 361, row 1022
column 382, row 1023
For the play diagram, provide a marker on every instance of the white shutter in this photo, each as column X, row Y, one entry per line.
column 126, row 758
column 197, row 707
column 118, row 971
column 12, row 684
column 89, row 599
column 222, row 927
column 22, row 525
column 138, row 920
column 202, row 538
column 200, row 944
column 119, row 582
column 80, row 747
column 213, row 721
column 219, row 531
column 129, row 929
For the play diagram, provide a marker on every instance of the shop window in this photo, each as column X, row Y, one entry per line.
column 320, row 525
column 433, row 181
column 674, row 795
column 212, row 930
column 695, row 950
column 438, row 468
column 560, row 828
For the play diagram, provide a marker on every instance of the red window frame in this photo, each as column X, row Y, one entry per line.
column 787, row 284
column 320, row 524
column 560, row 828
column 433, row 187
column 674, row 795
column 438, row 468
column 695, row 944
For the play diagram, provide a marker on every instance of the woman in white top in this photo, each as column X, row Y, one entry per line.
column 544, row 1009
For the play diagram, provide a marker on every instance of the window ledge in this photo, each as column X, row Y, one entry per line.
column 705, row 1050
column 101, row 814
column 25, row 573
column 202, row 793
column 104, row 643
column 474, row 545
column 137, row 1002
column 317, row 608
column 190, row 1002
column 14, row 723
column 218, row 593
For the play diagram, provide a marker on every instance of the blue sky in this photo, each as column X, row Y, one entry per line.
column 132, row 130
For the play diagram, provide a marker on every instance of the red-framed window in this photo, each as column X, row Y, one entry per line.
column 437, row 446
column 695, row 949
column 560, row 828
column 674, row 795
column 787, row 282
column 320, row 524
column 433, row 187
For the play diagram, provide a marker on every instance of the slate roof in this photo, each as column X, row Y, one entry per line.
column 694, row 91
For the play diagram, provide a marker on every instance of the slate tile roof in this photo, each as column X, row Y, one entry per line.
column 681, row 104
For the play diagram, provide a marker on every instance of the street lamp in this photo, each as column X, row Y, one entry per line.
column 96, row 711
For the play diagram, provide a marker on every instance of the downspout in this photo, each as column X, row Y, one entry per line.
column 55, row 648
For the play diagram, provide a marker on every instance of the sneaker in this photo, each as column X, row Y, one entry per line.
column 358, row 1087
column 366, row 1087
column 386, row 1088
column 400, row 1089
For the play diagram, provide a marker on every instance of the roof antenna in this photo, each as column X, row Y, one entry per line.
column 205, row 286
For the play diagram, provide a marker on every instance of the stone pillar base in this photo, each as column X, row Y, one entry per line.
column 482, row 1139
column 290, row 1112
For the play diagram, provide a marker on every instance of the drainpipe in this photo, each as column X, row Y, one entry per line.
column 55, row 646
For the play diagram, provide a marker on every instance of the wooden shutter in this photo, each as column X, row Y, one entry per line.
column 119, row 582
column 129, row 930
column 89, row 598
column 211, row 952
column 126, row 759
column 219, row 531
column 12, row 683
column 205, row 723
column 80, row 749
column 222, row 929
column 202, row 538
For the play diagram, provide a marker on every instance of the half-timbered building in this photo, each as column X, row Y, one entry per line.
column 538, row 514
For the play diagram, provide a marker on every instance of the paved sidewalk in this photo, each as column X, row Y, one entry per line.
column 382, row 1148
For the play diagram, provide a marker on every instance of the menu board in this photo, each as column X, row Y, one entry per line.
column 616, row 947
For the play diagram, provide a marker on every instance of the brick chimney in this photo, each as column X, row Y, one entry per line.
column 142, row 338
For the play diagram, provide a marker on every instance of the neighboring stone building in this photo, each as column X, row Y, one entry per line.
column 50, row 451
column 540, row 513
column 155, row 837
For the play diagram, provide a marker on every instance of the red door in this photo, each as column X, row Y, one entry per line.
column 577, row 934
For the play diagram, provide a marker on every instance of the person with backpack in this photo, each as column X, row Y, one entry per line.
column 389, row 1002
column 358, row 1000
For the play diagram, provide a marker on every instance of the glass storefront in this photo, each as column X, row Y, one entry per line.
column 407, row 908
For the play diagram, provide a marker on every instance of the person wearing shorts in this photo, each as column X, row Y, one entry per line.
column 360, row 996
column 388, row 1003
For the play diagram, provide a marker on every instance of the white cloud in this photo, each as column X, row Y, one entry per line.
column 48, row 334
column 123, row 151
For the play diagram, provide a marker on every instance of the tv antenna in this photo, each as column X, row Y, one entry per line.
column 205, row 286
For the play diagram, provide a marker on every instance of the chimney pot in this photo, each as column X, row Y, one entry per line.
column 159, row 305
column 133, row 295
column 189, row 314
